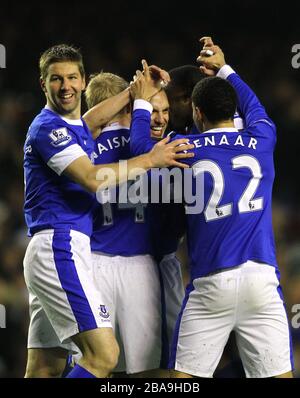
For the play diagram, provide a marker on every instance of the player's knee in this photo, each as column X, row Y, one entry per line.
column 43, row 372
column 102, row 363
column 109, row 360
column 288, row 375
column 111, row 357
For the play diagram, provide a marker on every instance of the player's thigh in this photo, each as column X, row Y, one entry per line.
column 45, row 362
column 98, row 346
column 152, row 374
column 104, row 270
column 41, row 333
column 139, row 313
column 104, row 279
column 204, row 325
column 262, row 330
column 287, row 375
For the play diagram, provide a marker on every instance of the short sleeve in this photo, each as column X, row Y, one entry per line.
column 58, row 147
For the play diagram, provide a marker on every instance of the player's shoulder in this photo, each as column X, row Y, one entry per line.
column 263, row 127
column 264, row 122
column 45, row 121
column 48, row 127
column 174, row 135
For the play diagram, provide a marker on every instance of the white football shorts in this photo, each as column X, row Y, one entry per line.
column 173, row 290
column 63, row 300
column 131, row 289
column 247, row 300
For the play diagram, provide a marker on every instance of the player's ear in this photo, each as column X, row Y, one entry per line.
column 43, row 85
column 198, row 113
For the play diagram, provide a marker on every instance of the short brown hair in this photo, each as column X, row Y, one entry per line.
column 103, row 85
column 60, row 53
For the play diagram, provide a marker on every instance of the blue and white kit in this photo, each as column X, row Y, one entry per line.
column 58, row 213
column 234, row 274
column 125, row 266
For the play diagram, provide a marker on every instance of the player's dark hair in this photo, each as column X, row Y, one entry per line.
column 184, row 78
column 60, row 53
column 216, row 98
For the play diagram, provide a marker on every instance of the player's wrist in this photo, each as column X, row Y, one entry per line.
column 142, row 103
column 225, row 71
column 149, row 160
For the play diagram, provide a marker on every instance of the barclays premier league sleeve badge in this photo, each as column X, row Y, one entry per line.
column 60, row 137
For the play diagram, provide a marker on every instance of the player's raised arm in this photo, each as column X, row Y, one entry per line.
column 142, row 89
column 212, row 59
column 140, row 139
column 100, row 114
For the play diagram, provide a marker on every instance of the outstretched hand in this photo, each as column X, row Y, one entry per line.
column 143, row 85
column 211, row 57
column 165, row 153
column 159, row 74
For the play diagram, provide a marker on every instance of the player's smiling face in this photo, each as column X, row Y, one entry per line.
column 160, row 115
column 63, row 87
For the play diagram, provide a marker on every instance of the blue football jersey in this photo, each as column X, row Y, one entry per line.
column 238, row 173
column 53, row 201
column 119, row 228
column 237, row 120
column 167, row 222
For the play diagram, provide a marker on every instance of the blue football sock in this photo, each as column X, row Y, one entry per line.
column 69, row 366
column 80, row 373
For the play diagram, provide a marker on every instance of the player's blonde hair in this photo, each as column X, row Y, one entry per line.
column 102, row 86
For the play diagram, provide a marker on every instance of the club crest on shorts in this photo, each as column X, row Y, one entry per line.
column 103, row 311
column 60, row 137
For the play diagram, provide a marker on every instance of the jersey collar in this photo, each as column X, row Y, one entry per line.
column 114, row 126
column 73, row 122
column 222, row 130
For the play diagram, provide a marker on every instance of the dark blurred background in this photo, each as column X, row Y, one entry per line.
column 257, row 38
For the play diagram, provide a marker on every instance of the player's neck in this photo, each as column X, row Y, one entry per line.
column 122, row 120
column 224, row 124
column 74, row 115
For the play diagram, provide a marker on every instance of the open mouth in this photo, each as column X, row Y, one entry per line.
column 156, row 131
column 66, row 98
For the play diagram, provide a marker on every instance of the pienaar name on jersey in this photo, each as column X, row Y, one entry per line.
column 60, row 137
column 216, row 140
column 115, row 142
column 2, row 57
